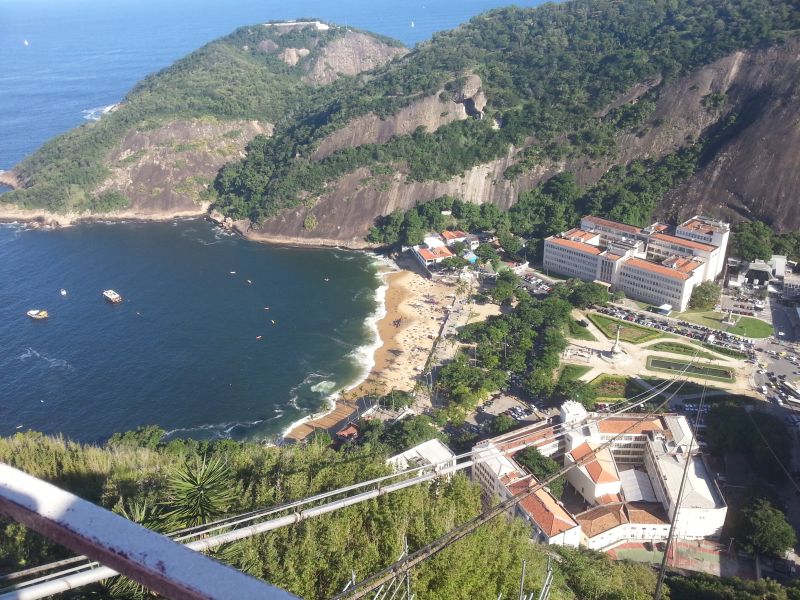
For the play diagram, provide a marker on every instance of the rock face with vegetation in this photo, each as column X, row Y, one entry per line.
column 697, row 96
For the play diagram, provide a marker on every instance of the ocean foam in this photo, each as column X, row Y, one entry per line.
column 218, row 430
column 96, row 113
column 53, row 363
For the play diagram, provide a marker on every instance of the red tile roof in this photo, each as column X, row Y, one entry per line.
column 453, row 235
column 434, row 253
column 646, row 265
column 601, row 519
column 683, row 242
column 683, row 264
column 629, row 425
column 601, row 470
column 612, row 224
column 580, row 234
column 612, row 257
column 546, row 512
column 698, row 225
column 585, row 248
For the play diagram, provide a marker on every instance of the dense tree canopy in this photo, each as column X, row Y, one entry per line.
column 705, row 296
column 764, row 529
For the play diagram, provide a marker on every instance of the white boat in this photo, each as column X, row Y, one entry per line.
column 63, row 292
column 112, row 296
column 37, row 313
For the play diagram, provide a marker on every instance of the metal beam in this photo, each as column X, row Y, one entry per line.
column 153, row 560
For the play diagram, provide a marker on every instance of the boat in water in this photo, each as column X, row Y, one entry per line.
column 63, row 292
column 112, row 296
column 37, row 314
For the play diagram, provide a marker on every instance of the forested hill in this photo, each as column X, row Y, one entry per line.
column 161, row 148
column 484, row 112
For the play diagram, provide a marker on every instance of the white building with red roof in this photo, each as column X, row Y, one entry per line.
column 647, row 264
column 624, row 492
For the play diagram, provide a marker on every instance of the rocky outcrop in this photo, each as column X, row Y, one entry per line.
column 9, row 179
column 292, row 56
column 349, row 54
column 755, row 173
column 430, row 112
column 167, row 170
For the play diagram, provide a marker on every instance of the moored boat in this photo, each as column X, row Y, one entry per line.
column 112, row 296
column 37, row 314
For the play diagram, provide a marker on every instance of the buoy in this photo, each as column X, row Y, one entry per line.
column 273, row 322
column 63, row 292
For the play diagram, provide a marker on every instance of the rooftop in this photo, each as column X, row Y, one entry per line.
column 682, row 264
column 453, row 235
column 612, row 224
column 549, row 515
column 580, row 246
column 646, row 265
column 602, row 468
column 700, row 490
column 434, row 253
column 580, row 235
column 601, row 519
column 432, row 452
column 678, row 241
column 705, row 226
column 630, row 425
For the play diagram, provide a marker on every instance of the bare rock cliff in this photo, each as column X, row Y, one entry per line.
column 754, row 173
column 166, row 170
column 349, row 54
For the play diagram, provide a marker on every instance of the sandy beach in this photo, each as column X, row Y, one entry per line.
column 415, row 306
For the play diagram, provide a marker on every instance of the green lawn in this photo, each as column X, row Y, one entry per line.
column 709, row 371
column 676, row 348
column 746, row 326
column 573, row 372
column 615, row 386
column 630, row 332
column 578, row 332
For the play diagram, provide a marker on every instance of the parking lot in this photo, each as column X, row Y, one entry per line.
column 682, row 328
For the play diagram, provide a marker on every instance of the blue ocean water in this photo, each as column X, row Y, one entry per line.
column 181, row 352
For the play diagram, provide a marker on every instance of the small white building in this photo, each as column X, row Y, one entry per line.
column 426, row 454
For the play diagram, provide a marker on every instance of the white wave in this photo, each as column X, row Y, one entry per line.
column 53, row 363
column 324, row 387
column 218, row 430
column 96, row 113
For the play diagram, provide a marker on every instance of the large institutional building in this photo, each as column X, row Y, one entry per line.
column 625, row 492
column 649, row 264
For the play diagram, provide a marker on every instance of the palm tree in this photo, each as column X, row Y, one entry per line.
column 199, row 491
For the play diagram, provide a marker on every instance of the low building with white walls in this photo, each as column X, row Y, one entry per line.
column 627, row 491
column 432, row 452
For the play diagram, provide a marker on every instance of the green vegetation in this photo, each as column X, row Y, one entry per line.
column 700, row 586
column 398, row 436
column 705, row 296
column 726, row 351
column 547, row 74
column 744, row 326
column 676, row 348
column 577, row 391
column 756, row 240
column 670, row 365
column 629, row 332
column 573, row 372
column 502, row 423
column 615, row 386
column 542, row 467
column 312, row 559
column 764, row 529
column 580, row 333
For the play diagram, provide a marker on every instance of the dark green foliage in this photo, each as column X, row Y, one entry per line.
column 148, row 436
column 731, row 430
column 753, row 241
column 763, row 529
column 579, row 391
column 756, row 240
column 502, row 423
column 705, row 296
column 585, row 294
column 400, row 435
column 198, row 491
column 700, row 586
column 541, row 467
column 507, row 287
column 546, row 73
